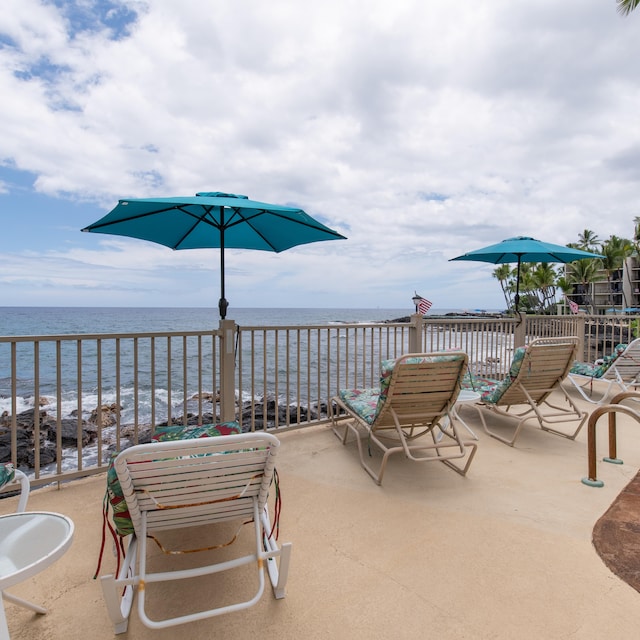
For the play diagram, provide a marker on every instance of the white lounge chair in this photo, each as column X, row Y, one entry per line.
column 187, row 483
column 411, row 412
column 600, row 381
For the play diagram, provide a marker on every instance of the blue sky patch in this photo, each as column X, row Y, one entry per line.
column 97, row 15
column 43, row 68
column 438, row 197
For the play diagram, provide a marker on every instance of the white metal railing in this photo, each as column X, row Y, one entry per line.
column 83, row 396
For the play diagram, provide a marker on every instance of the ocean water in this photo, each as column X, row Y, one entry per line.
column 165, row 395
column 53, row 321
column 28, row 321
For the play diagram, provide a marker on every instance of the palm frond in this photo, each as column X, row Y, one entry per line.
column 625, row 7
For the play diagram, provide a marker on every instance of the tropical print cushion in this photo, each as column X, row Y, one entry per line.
column 119, row 510
column 114, row 496
column 368, row 403
column 7, row 473
column 492, row 390
column 599, row 367
column 163, row 434
column 479, row 384
column 364, row 402
column 516, row 363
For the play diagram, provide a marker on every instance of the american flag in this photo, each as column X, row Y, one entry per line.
column 424, row 305
column 573, row 306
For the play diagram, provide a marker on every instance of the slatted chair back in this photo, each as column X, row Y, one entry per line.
column 546, row 363
column 626, row 367
column 422, row 388
column 187, row 483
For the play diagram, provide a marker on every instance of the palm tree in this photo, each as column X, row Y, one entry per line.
column 580, row 274
column 543, row 279
column 534, row 283
column 588, row 240
column 566, row 288
column 636, row 231
column 614, row 252
column 502, row 274
column 625, row 7
column 524, row 286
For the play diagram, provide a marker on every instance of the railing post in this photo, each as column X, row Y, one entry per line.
column 415, row 333
column 520, row 331
column 580, row 329
column 227, row 370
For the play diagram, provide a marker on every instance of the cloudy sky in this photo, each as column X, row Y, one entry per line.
column 419, row 130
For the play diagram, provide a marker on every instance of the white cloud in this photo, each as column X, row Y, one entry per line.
column 419, row 129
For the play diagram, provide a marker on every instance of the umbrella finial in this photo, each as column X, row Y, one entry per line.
column 219, row 194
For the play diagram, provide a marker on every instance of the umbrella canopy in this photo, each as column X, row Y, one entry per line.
column 213, row 220
column 524, row 249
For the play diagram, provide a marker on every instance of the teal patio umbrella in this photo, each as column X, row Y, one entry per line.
column 213, row 220
column 523, row 249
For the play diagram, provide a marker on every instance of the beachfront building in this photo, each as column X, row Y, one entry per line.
column 616, row 291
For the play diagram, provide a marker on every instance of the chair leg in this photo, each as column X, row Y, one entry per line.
column 376, row 475
column 119, row 603
column 334, row 421
column 463, row 470
column 23, row 603
column 118, row 607
column 4, row 629
column 280, row 575
column 344, row 435
column 278, row 570
column 600, row 398
column 482, row 408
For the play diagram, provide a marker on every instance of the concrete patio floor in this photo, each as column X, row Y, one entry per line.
column 503, row 553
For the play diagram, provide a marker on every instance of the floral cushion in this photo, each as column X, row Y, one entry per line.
column 163, row 434
column 368, row 403
column 516, row 363
column 492, row 390
column 364, row 402
column 7, row 473
column 599, row 367
column 114, row 496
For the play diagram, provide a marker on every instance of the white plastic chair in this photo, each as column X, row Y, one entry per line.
column 190, row 483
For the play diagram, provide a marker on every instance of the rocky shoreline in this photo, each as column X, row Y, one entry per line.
column 104, row 419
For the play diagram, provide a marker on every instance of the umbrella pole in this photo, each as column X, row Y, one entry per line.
column 517, row 298
column 222, row 303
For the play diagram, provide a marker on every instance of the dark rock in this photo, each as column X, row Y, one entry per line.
column 26, row 419
column 23, row 442
column 69, row 432
column 25, row 447
column 264, row 414
column 47, row 456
